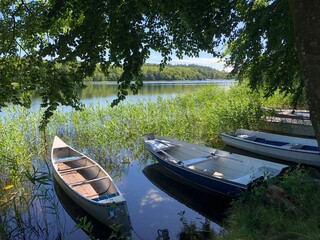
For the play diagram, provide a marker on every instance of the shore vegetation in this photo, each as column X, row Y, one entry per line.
column 112, row 136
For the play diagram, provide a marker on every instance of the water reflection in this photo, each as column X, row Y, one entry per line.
column 105, row 92
column 207, row 204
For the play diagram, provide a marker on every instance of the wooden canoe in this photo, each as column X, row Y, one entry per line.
column 288, row 148
column 89, row 185
column 211, row 169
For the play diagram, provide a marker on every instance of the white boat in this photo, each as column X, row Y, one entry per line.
column 208, row 168
column 89, row 185
column 288, row 148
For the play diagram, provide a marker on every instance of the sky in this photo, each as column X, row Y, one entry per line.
column 204, row 59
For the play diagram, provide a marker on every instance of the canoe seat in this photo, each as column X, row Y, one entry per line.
column 87, row 181
column 67, row 159
column 76, row 169
column 104, row 197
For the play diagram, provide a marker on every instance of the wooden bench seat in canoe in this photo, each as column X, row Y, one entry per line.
column 75, row 169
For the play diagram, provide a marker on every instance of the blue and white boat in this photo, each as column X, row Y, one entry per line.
column 287, row 148
column 214, row 170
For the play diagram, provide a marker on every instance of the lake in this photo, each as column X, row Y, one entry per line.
column 156, row 200
column 104, row 93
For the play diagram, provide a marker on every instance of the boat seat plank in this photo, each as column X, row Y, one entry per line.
column 75, row 169
column 68, row 159
column 195, row 160
column 87, row 181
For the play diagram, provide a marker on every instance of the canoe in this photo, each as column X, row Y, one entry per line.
column 288, row 148
column 215, row 170
column 89, row 185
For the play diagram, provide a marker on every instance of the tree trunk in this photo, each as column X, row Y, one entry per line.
column 306, row 18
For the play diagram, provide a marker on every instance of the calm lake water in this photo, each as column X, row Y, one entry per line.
column 104, row 93
column 155, row 199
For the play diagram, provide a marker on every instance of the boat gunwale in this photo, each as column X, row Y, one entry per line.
column 298, row 150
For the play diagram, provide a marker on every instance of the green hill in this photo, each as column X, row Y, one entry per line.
column 152, row 72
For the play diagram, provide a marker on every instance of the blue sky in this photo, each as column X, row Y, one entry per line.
column 204, row 59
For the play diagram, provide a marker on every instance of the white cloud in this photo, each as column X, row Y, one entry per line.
column 153, row 198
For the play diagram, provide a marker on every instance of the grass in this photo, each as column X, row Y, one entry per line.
column 112, row 137
column 293, row 214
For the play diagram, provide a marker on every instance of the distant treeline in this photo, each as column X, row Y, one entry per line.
column 170, row 72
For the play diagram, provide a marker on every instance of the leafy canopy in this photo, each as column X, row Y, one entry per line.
column 38, row 37
column 262, row 48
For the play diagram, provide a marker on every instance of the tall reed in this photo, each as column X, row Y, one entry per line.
column 109, row 135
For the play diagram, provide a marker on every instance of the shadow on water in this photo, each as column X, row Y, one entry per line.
column 92, row 227
column 209, row 205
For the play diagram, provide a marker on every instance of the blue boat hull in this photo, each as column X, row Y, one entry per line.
column 216, row 185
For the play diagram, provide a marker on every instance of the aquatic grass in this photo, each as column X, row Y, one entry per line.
column 111, row 136
column 190, row 231
column 198, row 117
column 292, row 214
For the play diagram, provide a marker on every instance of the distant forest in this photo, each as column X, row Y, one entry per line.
column 152, row 72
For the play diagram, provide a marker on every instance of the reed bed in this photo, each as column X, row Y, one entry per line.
column 109, row 135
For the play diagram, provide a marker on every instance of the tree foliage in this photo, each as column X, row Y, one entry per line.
column 263, row 39
column 38, row 35
column 150, row 72
column 262, row 48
